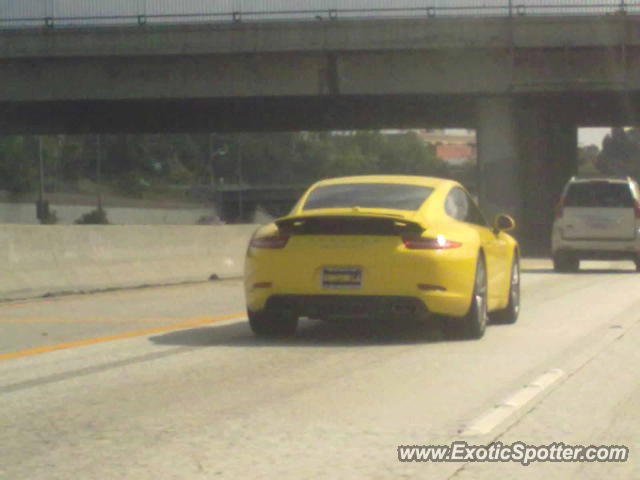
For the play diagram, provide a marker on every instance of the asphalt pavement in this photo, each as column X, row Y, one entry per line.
column 169, row 383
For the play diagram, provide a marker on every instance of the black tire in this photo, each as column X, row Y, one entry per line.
column 474, row 323
column 565, row 263
column 637, row 262
column 272, row 323
column 509, row 314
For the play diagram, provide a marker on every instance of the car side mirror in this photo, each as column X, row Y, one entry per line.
column 503, row 223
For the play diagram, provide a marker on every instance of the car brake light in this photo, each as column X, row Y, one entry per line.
column 272, row 241
column 440, row 242
column 560, row 207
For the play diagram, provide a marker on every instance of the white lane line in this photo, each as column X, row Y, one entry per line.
column 498, row 414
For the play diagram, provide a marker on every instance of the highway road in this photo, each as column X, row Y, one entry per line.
column 169, row 383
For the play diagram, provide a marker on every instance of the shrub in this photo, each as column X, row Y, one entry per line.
column 50, row 219
column 94, row 217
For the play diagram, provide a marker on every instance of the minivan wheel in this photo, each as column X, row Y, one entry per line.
column 565, row 262
column 273, row 323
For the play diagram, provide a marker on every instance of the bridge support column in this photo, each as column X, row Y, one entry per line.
column 548, row 142
column 526, row 152
column 498, row 182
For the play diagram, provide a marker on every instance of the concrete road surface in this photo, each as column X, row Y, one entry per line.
column 169, row 383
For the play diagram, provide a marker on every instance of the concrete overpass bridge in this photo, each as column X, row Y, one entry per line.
column 524, row 82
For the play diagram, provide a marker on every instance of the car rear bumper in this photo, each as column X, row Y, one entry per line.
column 447, row 290
column 389, row 305
column 441, row 280
column 596, row 249
column 585, row 254
column 349, row 306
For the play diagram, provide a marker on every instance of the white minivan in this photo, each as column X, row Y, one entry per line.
column 596, row 219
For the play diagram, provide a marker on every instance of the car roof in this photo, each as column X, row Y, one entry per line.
column 433, row 182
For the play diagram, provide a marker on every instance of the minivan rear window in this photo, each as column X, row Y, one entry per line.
column 368, row 195
column 599, row 194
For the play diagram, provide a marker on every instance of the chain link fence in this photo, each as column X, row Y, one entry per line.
column 89, row 13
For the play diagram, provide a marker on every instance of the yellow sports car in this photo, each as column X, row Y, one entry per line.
column 383, row 246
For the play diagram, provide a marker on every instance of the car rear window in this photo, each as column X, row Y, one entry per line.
column 368, row 195
column 599, row 194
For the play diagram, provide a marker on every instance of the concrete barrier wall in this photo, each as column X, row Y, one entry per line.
column 41, row 260
column 25, row 213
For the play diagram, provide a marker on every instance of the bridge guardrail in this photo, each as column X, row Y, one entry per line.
column 96, row 13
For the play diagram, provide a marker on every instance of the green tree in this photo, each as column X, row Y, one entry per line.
column 18, row 172
column 134, row 163
column 301, row 158
column 620, row 153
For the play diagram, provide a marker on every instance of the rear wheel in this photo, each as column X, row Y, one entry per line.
column 509, row 314
column 565, row 262
column 474, row 323
column 273, row 323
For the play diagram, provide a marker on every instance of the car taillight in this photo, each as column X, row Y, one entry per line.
column 636, row 209
column 559, row 208
column 440, row 242
column 272, row 241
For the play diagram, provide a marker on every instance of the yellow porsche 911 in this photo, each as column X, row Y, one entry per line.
column 385, row 247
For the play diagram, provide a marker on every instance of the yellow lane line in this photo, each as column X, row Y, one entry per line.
column 120, row 336
column 78, row 320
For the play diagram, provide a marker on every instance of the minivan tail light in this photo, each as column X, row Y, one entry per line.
column 429, row 243
column 271, row 241
column 560, row 207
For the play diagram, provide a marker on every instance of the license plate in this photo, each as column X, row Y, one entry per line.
column 599, row 225
column 341, row 277
column 597, row 221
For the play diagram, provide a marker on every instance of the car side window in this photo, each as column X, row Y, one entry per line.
column 460, row 206
column 475, row 216
column 457, row 205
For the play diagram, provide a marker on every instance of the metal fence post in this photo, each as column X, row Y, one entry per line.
column 142, row 12
column 49, row 13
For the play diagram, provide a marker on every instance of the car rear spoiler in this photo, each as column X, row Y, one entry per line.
column 348, row 225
